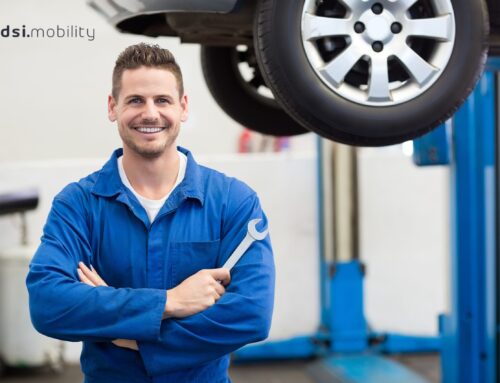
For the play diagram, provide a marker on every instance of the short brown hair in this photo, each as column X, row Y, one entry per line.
column 152, row 56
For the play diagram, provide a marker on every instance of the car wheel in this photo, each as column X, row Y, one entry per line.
column 234, row 79
column 371, row 72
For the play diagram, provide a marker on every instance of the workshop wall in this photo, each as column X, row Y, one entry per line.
column 405, row 241
column 404, row 232
column 54, row 90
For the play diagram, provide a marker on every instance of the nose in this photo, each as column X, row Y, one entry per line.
column 150, row 112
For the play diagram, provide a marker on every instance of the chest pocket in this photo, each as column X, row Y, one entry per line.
column 191, row 257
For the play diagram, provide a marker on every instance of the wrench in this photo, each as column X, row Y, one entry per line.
column 251, row 236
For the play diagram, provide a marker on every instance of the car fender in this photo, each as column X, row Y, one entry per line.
column 116, row 11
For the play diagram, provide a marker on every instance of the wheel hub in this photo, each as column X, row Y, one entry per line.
column 378, row 27
column 378, row 53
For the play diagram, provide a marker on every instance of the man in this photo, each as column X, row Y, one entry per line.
column 130, row 259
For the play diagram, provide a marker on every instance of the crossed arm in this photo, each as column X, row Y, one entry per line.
column 195, row 294
column 173, row 329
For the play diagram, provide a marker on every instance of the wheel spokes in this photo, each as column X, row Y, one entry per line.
column 353, row 51
column 378, row 85
column 439, row 28
column 337, row 69
column 315, row 27
column 417, row 67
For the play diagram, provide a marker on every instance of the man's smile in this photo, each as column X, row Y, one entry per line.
column 149, row 129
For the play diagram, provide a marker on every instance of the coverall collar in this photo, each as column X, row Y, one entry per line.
column 109, row 184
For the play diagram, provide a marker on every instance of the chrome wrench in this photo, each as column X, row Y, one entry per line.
column 251, row 236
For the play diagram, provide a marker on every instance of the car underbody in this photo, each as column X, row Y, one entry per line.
column 369, row 73
column 236, row 27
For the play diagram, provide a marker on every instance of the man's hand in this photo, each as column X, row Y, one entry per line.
column 126, row 343
column 196, row 293
column 91, row 278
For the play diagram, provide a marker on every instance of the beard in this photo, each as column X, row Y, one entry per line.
column 149, row 150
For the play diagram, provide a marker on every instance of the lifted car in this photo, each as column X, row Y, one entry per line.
column 361, row 72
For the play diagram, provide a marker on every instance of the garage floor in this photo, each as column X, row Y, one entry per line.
column 427, row 365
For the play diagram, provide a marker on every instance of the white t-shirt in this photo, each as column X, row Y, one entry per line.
column 153, row 206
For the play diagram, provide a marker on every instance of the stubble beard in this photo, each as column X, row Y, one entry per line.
column 150, row 151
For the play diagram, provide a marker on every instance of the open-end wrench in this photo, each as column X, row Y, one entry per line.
column 252, row 235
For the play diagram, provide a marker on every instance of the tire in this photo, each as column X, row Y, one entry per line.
column 240, row 98
column 347, row 109
column 494, row 12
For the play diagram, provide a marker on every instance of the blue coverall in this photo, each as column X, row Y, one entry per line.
column 100, row 222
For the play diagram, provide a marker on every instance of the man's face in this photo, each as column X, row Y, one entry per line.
column 149, row 111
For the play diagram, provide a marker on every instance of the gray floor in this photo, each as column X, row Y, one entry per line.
column 427, row 365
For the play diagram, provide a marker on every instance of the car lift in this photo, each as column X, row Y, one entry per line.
column 468, row 335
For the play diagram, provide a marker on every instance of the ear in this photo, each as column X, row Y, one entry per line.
column 185, row 109
column 111, row 108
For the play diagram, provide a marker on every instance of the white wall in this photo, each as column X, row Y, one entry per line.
column 404, row 232
column 404, row 224
column 54, row 91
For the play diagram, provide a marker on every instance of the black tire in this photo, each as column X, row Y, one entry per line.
column 301, row 92
column 494, row 11
column 239, row 98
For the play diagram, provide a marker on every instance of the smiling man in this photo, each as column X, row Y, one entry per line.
column 130, row 258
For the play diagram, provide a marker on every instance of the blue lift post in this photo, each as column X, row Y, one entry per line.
column 469, row 144
column 343, row 339
column 469, row 332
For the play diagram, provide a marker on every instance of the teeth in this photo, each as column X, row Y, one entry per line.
column 149, row 130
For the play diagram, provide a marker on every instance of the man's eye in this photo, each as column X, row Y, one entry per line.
column 162, row 100
column 135, row 101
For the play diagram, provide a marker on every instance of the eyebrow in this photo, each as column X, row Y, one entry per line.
column 157, row 96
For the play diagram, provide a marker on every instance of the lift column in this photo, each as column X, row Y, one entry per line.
column 469, row 331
